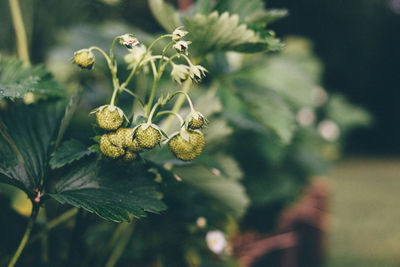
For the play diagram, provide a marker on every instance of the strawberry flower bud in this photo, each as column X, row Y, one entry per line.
column 180, row 73
column 178, row 34
column 128, row 40
column 84, row 58
column 197, row 72
column 181, row 46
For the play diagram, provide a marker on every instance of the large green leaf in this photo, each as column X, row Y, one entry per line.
column 226, row 190
column 165, row 14
column 223, row 32
column 26, row 133
column 111, row 191
column 68, row 152
column 16, row 80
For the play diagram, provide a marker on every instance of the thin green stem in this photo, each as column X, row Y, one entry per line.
column 20, row 32
column 170, row 112
column 113, row 97
column 102, row 52
column 121, row 245
column 134, row 95
column 44, row 242
column 152, row 94
column 153, row 110
column 187, row 97
column 54, row 223
column 112, row 48
column 169, row 60
column 155, row 82
column 25, row 237
column 187, row 59
column 132, row 73
column 163, row 54
column 153, row 67
column 113, row 70
column 178, row 104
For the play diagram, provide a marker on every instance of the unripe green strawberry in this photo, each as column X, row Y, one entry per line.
column 109, row 149
column 196, row 123
column 195, row 120
column 109, row 117
column 129, row 156
column 125, row 139
column 84, row 58
column 148, row 136
column 187, row 145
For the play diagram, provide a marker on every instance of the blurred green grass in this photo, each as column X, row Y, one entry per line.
column 365, row 224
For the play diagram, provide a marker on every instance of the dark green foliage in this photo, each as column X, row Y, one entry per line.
column 112, row 192
column 26, row 134
column 68, row 152
column 16, row 80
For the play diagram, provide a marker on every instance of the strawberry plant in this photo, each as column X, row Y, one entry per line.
column 191, row 136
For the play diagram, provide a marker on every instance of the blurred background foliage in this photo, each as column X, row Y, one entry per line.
column 265, row 140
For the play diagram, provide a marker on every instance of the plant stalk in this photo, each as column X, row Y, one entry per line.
column 25, row 237
column 178, row 104
column 121, row 245
column 20, row 32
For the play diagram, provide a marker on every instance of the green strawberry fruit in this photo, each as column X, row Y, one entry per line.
column 125, row 140
column 147, row 136
column 109, row 118
column 196, row 123
column 109, row 149
column 188, row 145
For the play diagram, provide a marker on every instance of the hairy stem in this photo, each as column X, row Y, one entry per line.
column 20, row 32
column 25, row 237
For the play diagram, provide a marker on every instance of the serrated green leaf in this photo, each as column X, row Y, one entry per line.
column 108, row 190
column 26, row 133
column 244, row 8
column 68, row 152
column 266, row 17
column 228, row 192
column 69, row 112
column 165, row 14
column 223, row 32
column 16, row 80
